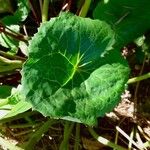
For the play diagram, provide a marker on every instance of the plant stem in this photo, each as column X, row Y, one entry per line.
column 67, row 130
column 38, row 134
column 127, row 136
column 84, row 10
column 7, row 65
column 40, row 3
column 23, row 132
column 116, row 138
column 45, row 10
column 140, row 78
column 3, row 102
column 130, row 142
column 77, row 137
column 143, row 133
column 7, row 55
column 13, row 34
column 7, row 61
column 19, row 116
column 27, row 125
column 105, row 141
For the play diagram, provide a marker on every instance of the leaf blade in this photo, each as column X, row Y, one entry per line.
column 67, row 53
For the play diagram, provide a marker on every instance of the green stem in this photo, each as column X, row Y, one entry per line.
column 3, row 102
column 22, row 132
column 38, row 134
column 84, row 10
column 7, row 61
column 140, row 78
column 67, row 131
column 7, row 55
column 105, row 141
column 27, row 125
column 77, row 137
column 7, row 65
column 116, row 139
column 45, row 10
column 131, row 136
column 19, row 116
column 13, row 34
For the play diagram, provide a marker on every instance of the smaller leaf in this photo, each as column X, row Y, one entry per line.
column 9, row 42
column 19, row 108
column 20, row 14
column 4, row 111
column 146, row 46
column 16, row 95
column 143, row 49
column 16, row 104
column 140, row 40
column 23, row 47
column 5, row 91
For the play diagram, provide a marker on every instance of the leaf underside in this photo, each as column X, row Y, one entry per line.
column 72, row 71
column 19, row 15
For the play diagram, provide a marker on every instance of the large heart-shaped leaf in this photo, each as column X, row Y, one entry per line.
column 129, row 18
column 72, row 71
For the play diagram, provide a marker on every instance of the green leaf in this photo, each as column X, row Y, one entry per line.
column 8, row 41
column 72, row 71
column 140, row 41
column 12, row 22
column 19, row 108
column 15, row 102
column 16, row 95
column 5, row 91
column 146, row 46
column 23, row 47
column 20, row 14
column 129, row 18
column 143, row 47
